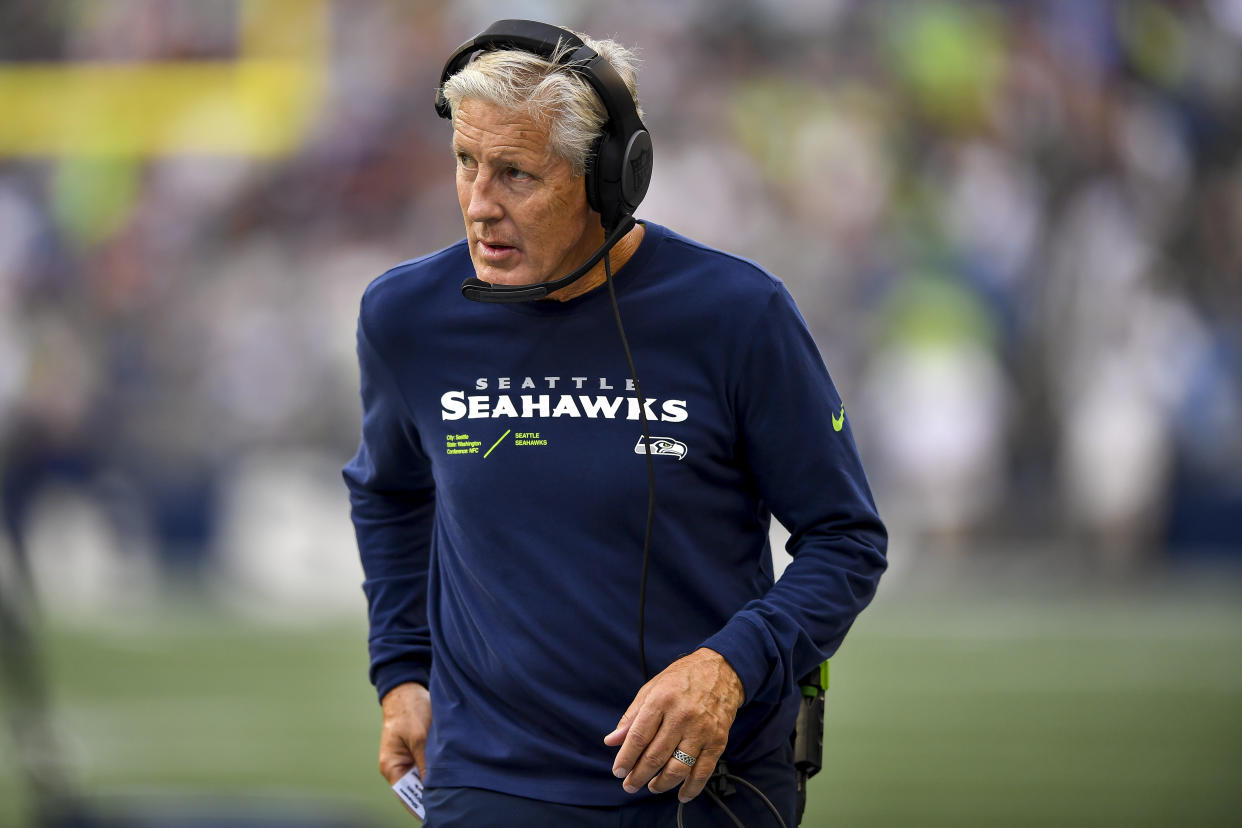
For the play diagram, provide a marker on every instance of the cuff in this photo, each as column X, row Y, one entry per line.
column 743, row 645
column 388, row 676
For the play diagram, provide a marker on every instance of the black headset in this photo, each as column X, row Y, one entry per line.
column 619, row 167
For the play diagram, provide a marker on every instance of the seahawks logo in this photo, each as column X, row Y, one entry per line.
column 662, row 446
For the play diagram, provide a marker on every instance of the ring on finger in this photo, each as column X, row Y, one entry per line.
column 683, row 757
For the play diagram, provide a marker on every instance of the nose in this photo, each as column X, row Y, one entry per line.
column 483, row 204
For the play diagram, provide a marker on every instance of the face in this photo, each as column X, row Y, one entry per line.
column 527, row 217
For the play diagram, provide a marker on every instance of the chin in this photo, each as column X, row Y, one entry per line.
column 494, row 277
column 504, row 277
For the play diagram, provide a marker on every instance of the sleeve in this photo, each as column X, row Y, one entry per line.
column 800, row 449
column 392, row 504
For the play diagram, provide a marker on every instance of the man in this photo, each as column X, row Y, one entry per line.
column 500, row 487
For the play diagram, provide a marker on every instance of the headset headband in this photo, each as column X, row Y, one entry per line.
column 619, row 170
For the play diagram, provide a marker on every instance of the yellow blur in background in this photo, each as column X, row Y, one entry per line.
column 260, row 102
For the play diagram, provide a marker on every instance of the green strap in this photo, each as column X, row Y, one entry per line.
column 812, row 690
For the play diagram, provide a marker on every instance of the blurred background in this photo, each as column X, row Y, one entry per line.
column 1015, row 230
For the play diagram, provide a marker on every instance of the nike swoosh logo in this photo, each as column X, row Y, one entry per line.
column 838, row 423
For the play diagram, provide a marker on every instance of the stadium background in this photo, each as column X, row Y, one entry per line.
column 1014, row 228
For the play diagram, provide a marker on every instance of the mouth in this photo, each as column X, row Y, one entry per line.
column 496, row 252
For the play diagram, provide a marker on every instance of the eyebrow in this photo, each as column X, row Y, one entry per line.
column 505, row 158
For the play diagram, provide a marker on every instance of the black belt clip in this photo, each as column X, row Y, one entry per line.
column 808, row 738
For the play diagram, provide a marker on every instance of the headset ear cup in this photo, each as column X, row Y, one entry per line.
column 593, row 175
column 608, row 179
column 636, row 170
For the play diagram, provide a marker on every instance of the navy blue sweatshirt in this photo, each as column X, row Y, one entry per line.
column 499, row 497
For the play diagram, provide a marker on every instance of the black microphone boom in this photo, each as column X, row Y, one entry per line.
column 481, row 291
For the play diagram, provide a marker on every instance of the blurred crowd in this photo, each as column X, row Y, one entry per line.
column 1014, row 228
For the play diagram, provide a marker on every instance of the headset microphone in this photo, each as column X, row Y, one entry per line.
column 481, row 291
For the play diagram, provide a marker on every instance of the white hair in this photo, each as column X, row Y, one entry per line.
column 556, row 99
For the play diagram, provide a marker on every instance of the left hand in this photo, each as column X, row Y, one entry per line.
column 690, row 706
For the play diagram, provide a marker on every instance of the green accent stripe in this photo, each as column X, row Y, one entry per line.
column 498, row 439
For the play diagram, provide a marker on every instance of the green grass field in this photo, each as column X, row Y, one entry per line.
column 945, row 709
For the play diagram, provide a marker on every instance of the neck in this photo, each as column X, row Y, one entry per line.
column 619, row 255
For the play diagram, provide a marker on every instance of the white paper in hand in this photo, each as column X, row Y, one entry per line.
column 409, row 789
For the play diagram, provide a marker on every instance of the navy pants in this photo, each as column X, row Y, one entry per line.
column 480, row 808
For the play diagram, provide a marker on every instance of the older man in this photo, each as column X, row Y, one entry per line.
column 500, row 491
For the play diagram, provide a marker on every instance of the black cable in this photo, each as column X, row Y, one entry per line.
column 780, row 820
column 642, row 408
column 732, row 816
column 642, row 586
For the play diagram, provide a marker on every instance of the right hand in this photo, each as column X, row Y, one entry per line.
column 403, row 739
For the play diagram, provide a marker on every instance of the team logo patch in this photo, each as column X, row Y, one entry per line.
column 663, row 446
column 640, row 168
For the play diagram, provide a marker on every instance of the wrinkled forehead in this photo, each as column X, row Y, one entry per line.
column 483, row 126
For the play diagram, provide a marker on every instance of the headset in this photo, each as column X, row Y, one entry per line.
column 619, row 165
column 617, row 177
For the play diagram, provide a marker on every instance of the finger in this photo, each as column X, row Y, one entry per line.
column 675, row 771
column 617, row 737
column 393, row 766
column 395, row 757
column 654, row 758
column 638, row 736
column 420, row 759
column 700, row 773
column 623, row 725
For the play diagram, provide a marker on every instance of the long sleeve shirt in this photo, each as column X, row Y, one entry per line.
column 499, row 496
